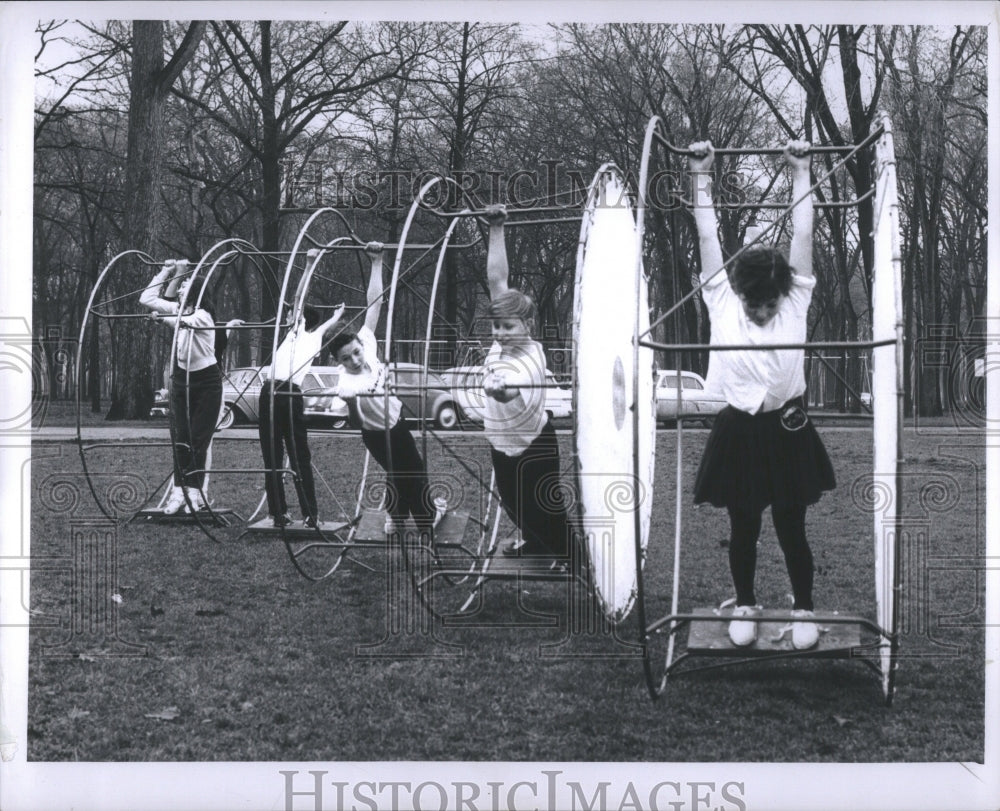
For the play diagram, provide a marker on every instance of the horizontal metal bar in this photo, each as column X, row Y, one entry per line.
column 511, row 212
column 121, row 316
column 733, row 347
column 777, row 150
column 820, row 619
column 413, row 387
column 546, row 221
column 779, row 205
column 125, row 444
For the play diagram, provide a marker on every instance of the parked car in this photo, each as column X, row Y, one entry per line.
column 161, row 403
column 466, row 386
column 323, row 408
column 695, row 401
column 439, row 404
column 241, row 398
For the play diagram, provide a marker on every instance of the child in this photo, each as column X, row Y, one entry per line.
column 363, row 387
column 763, row 449
column 524, row 447
column 196, row 390
column 285, row 429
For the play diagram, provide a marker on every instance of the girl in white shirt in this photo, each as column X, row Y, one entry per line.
column 524, row 448
column 763, row 449
column 362, row 386
column 285, row 429
column 196, row 386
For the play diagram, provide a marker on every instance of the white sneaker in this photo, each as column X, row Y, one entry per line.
column 440, row 508
column 175, row 502
column 804, row 634
column 197, row 500
column 743, row 632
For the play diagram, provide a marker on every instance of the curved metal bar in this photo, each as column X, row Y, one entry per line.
column 306, row 280
column 77, row 372
column 654, row 687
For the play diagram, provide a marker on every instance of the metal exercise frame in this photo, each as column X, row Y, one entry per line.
column 887, row 348
column 96, row 312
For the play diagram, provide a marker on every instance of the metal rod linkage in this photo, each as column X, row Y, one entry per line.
column 828, row 149
column 733, row 347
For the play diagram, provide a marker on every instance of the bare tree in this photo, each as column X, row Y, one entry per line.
column 939, row 111
column 151, row 80
column 274, row 82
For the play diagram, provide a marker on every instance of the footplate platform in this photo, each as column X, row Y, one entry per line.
column 450, row 529
column 839, row 635
column 296, row 529
column 219, row 516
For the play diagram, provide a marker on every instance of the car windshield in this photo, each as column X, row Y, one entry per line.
column 669, row 381
column 329, row 380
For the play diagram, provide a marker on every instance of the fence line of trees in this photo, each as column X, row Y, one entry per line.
column 168, row 137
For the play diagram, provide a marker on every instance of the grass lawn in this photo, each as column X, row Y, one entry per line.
column 215, row 650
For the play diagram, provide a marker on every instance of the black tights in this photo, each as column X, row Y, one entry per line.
column 790, row 526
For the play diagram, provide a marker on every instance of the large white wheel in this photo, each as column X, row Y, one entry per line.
column 613, row 395
column 887, row 402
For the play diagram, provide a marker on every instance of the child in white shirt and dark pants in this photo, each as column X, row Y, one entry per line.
column 363, row 386
column 524, row 447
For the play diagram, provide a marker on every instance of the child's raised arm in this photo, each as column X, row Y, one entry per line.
column 151, row 296
column 700, row 164
column 800, row 252
column 497, row 267
column 178, row 272
column 326, row 326
column 376, row 287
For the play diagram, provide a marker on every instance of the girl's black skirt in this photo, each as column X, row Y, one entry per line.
column 770, row 458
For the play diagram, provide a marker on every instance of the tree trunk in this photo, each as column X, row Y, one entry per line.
column 270, row 167
column 132, row 394
column 457, row 167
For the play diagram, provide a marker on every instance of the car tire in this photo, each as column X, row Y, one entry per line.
column 447, row 416
column 228, row 418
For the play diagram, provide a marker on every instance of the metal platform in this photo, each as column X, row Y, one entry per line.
column 840, row 636
column 369, row 530
column 296, row 529
column 219, row 516
column 371, row 527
